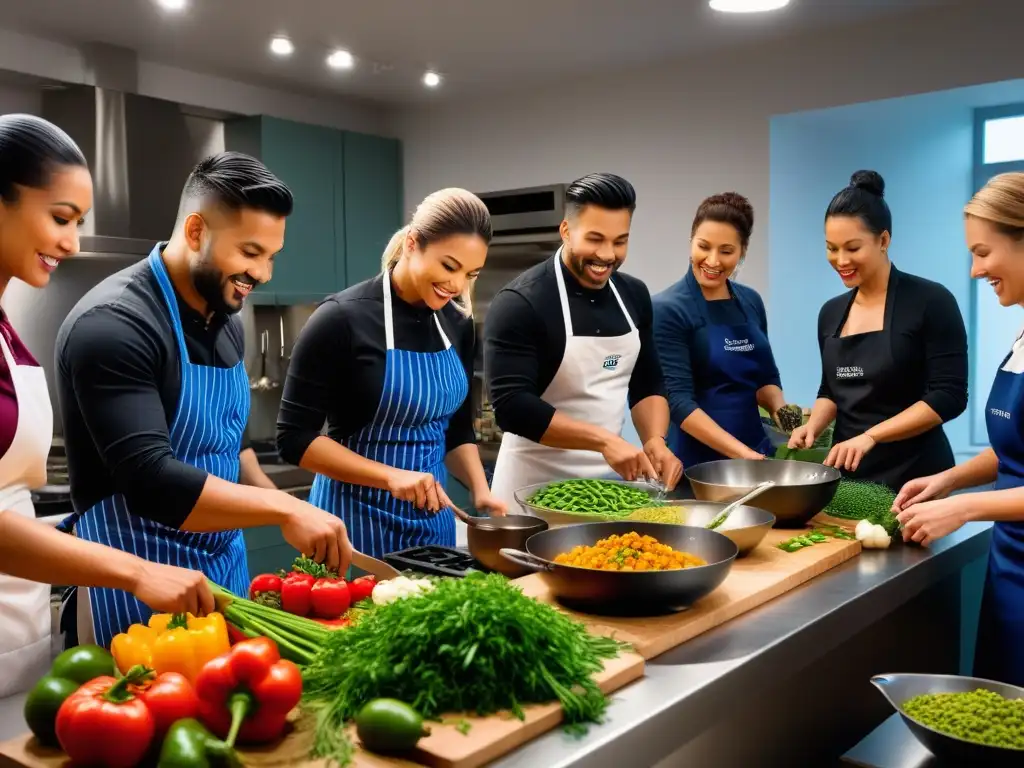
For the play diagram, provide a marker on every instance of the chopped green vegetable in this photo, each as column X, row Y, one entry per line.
column 475, row 644
column 981, row 716
column 857, row 500
column 790, row 417
column 593, row 497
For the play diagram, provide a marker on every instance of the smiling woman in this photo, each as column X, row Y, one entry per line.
column 387, row 364
column 893, row 351
column 712, row 337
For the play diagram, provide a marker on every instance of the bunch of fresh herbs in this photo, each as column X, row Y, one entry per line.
column 474, row 645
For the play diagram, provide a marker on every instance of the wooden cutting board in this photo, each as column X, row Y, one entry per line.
column 485, row 740
column 763, row 575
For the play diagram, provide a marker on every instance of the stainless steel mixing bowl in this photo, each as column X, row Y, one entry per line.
column 802, row 489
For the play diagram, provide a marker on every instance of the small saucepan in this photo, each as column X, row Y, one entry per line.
column 489, row 535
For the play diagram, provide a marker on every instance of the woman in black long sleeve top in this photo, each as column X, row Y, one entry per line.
column 893, row 352
column 387, row 364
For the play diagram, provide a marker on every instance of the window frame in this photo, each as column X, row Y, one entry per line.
column 982, row 172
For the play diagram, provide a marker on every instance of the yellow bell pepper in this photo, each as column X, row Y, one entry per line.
column 172, row 643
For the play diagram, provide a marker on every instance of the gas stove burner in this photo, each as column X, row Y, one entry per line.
column 434, row 560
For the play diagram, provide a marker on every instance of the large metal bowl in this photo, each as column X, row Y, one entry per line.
column 950, row 750
column 487, row 536
column 556, row 519
column 802, row 489
column 636, row 593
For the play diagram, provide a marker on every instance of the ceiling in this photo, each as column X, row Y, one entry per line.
column 478, row 46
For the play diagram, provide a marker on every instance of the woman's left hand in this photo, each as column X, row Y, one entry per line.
column 849, row 453
column 931, row 520
column 665, row 463
column 490, row 505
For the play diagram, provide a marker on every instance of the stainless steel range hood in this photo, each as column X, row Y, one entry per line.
column 140, row 150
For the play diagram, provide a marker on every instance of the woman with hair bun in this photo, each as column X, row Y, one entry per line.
column 712, row 338
column 893, row 351
column 994, row 227
column 387, row 364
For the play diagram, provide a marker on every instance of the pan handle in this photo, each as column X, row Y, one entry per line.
column 526, row 560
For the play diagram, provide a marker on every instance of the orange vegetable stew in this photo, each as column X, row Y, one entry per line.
column 629, row 552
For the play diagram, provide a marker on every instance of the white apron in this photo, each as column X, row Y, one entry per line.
column 24, row 605
column 591, row 385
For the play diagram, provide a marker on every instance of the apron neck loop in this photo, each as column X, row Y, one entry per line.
column 389, row 318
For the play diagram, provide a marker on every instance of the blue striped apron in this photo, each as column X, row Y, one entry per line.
column 206, row 432
column 421, row 391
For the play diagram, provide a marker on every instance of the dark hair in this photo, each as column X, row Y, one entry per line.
column 238, row 181
column 727, row 208
column 605, row 190
column 30, row 149
column 864, row 198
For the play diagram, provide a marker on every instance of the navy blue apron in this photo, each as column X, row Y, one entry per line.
column 206, row 432
column 999, row 652
column 421, row 391
column 726, row 389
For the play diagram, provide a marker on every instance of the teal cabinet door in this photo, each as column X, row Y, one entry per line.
column 308, row 159
column 372, row 173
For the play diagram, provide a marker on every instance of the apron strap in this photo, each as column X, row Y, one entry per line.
column 615, row 291
column 163, row 279
column 563, row 296
column 389, row 320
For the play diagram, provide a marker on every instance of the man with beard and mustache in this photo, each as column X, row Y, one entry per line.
column 154, row 398
column 567, row 345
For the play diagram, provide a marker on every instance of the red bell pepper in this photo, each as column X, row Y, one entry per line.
column 361, row 588
column 295, row 593
column 246, row 694
column 169, row 698
column 104, row 723
column 330, row 598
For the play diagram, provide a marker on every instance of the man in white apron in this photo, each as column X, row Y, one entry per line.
column 569, row 346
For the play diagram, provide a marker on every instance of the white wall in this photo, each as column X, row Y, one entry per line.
column 684, row 131
column 48, row 59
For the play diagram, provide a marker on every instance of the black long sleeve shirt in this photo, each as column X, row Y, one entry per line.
column 118, row 384
column 524, row 341
column 336, row 373
column 928, row 339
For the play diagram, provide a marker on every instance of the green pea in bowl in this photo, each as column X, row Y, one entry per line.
column 966, row 731
column 590, row 501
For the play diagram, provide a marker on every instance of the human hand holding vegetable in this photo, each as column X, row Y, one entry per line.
column 668, row 467
column 319, row 534
column 921, row 489
column 849, row 453
column 628, row 461
column 167, row 589
column 931, row 520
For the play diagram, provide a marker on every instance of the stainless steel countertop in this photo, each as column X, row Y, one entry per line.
column 891, row 745
column 693, row 686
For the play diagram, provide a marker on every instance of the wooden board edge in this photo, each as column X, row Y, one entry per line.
column 654, row 649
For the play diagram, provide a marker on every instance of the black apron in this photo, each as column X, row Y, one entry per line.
column 862, row 377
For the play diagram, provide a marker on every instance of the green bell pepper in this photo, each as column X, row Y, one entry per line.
column 188, row 744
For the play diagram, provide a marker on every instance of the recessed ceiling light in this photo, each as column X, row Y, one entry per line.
column 747, row 6
column 431, row 79
column 172, row 5
column 340, row 60
column 281, row 46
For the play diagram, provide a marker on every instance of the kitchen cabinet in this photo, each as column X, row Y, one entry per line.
column 306, row 158
column 373, row 201
column 348, row 202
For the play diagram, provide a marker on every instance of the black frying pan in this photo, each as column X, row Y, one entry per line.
column 638, row 593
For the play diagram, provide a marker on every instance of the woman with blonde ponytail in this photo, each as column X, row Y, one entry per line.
column 387, row 365
column 994, row 223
